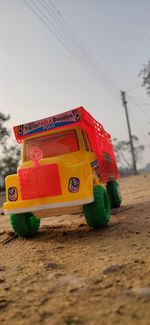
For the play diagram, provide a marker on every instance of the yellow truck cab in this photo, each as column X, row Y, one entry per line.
column 67, row 166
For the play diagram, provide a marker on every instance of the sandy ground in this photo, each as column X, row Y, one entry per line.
column 70, row 274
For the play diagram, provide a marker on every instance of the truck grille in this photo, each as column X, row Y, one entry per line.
column 39, row 181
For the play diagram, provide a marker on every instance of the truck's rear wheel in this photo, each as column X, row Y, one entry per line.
column 114, row 194
column 97, row 213
column 25, row 224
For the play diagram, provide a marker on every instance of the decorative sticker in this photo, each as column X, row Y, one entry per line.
column 107, row 156
column 74, row 183
column 49, row 123
column 12, row 194
column 95, row 167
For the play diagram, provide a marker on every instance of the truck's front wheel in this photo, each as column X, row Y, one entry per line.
column 97, row 213
column 25, row 224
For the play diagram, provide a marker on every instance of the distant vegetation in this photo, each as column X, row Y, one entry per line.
column 145, row 73
column 9, row 154
column 123, row 154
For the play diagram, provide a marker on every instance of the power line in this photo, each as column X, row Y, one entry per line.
column 80, row 44
column 55, row 23
column 45, row 13
column 133, row 88
column 139, row 107
column 143, row 134
column 138, row 97
column 138, row 125
column 139, row 100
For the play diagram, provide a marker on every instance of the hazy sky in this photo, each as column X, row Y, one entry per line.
column 39, row 77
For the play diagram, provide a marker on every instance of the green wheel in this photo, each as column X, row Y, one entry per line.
column 114, row 194
column 25, row 224
column 97, row 213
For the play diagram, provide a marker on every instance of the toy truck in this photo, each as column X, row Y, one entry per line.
column 68, row 166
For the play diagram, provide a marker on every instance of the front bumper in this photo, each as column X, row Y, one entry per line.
column 70, row 201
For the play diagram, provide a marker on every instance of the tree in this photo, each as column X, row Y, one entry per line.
column 9, row 154
column 145, row 73
column 9, row 163
column 123, row 153
column 4, row 134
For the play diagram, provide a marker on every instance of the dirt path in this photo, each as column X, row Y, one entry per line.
column 69, row 274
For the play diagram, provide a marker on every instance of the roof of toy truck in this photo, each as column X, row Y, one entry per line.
column 77, row 116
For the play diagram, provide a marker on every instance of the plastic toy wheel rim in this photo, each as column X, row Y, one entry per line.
column 114, row 194
column 25, row 224
column 97, row 213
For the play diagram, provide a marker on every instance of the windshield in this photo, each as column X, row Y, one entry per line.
column 53, row 145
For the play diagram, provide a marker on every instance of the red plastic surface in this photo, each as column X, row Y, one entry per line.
column 102, row 146
column 39, row 181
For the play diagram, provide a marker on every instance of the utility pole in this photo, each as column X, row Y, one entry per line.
column 124, row 102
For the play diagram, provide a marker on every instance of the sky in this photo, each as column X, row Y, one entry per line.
column 62, row 54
